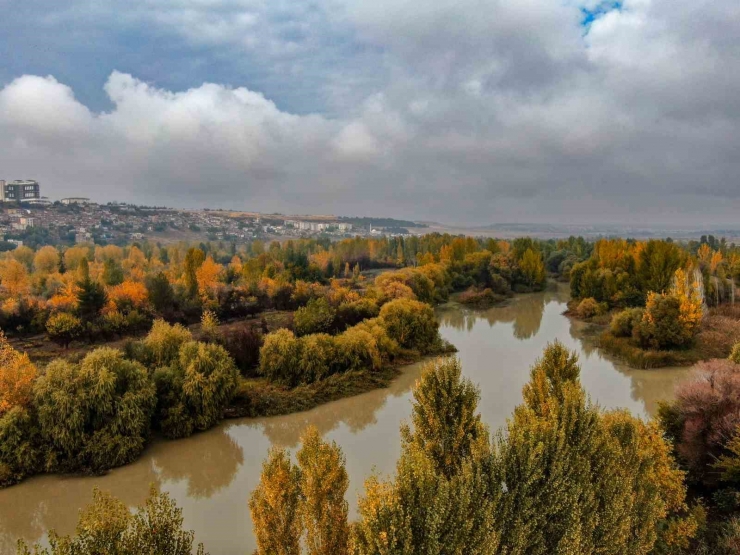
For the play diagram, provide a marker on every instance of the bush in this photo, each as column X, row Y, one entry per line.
column 280, row 357
column 94, row 415
column 478, row 298
column 588, row 308
column 411, row 323
column 661, row 326
column 387, row 347
column 352, row 313
column 63, row 328
column 243, row 344
column 19, row 452
column 735, row 354
column 316, row 317
column 195, row 389
column 318, row 352
column 164, row 341
column 704, row 417
column 623, row 323
column 356, row 350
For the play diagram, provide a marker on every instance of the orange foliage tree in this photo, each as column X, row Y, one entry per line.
column 17, row 374
column 127, row 295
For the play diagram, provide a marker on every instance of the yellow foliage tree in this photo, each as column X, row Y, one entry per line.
column 17, row 375
column 689, row 289
column 208, row 277
column 129, row 294
column 46, row 260
column 14, row 278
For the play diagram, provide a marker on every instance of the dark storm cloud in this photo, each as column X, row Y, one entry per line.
column 462, row 111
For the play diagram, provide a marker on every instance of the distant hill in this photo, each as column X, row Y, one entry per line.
column 380, row 222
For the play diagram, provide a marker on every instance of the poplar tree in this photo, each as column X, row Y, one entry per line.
column 324, row 483
column 275, row 506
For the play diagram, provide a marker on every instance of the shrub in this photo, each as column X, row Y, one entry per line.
column 209, row 325
column 588, row 308
column 243, row 344
column 194, row 390
column 661, row 326
column 475, row 297
column 280, row 357
column 19, row 452
column 316, row 317
column 95, row 414
column 63, row 328
column 623, row 323
column 704, row 416
column 318, row 352
column 164, row 341
column 735, row 354
column 411, row 323
column 387, row 347
column 352, row 313
column 356, row 350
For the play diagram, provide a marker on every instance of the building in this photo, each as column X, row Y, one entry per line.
column 76, row 200
column 20, row 190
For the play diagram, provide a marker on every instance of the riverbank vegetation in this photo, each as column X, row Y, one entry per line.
column 660, row 303
column 563, row 476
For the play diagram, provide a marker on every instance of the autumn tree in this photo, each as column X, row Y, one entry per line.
column 46, row 260
column 275, row 506
column 316, row 317
column 63, row 328
column 577, row 480
column 446, row 425
column 324, row 483
column 532, row 268
column 95, row 414
column 107, row 527
column 17, row 375
column 207, row 276
column 411, row 323
column 14, row 278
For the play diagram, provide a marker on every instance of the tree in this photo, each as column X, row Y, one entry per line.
column 46, row 260
column 17, row 375
column 324, row 483
column 163, row 342
column 106, row 527
column 193, row 260
column 96, row 414
column 195, row 389
column 275, row 506
column 411, row 323
column 160, row 292
column 662, row 326
column 91, row 298
column 444, row 416
column 316, row 317
column 209, row 325
column 207, row 276
column 14, row 278
column 577, row 480
column 63, row 328
column 112, row 272
column 280, row 357
column 532, row 267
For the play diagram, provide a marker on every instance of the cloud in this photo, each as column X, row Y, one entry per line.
column 457, row 110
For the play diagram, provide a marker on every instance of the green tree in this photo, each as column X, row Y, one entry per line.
column 275, row 506
column 195, row 389
column 316, row 317
column 533, row 269
column 193, row 260
column 106, row 527
column 63, row 328
column 160, row 292
column 411, row 323
column 91, row 298
column 324, row 483
column 95, row 414
column 444, row 416
column 112, row 272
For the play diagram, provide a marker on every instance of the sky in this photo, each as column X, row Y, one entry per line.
column 457, row 111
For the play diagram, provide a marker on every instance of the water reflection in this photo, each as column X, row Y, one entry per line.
column 211, row 474
column 206, row 469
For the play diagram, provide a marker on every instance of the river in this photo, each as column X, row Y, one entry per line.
column 211, row 475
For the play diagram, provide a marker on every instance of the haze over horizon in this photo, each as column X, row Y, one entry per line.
column 572, row 112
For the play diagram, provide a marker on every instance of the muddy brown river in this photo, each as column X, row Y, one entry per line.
column 211, row 474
